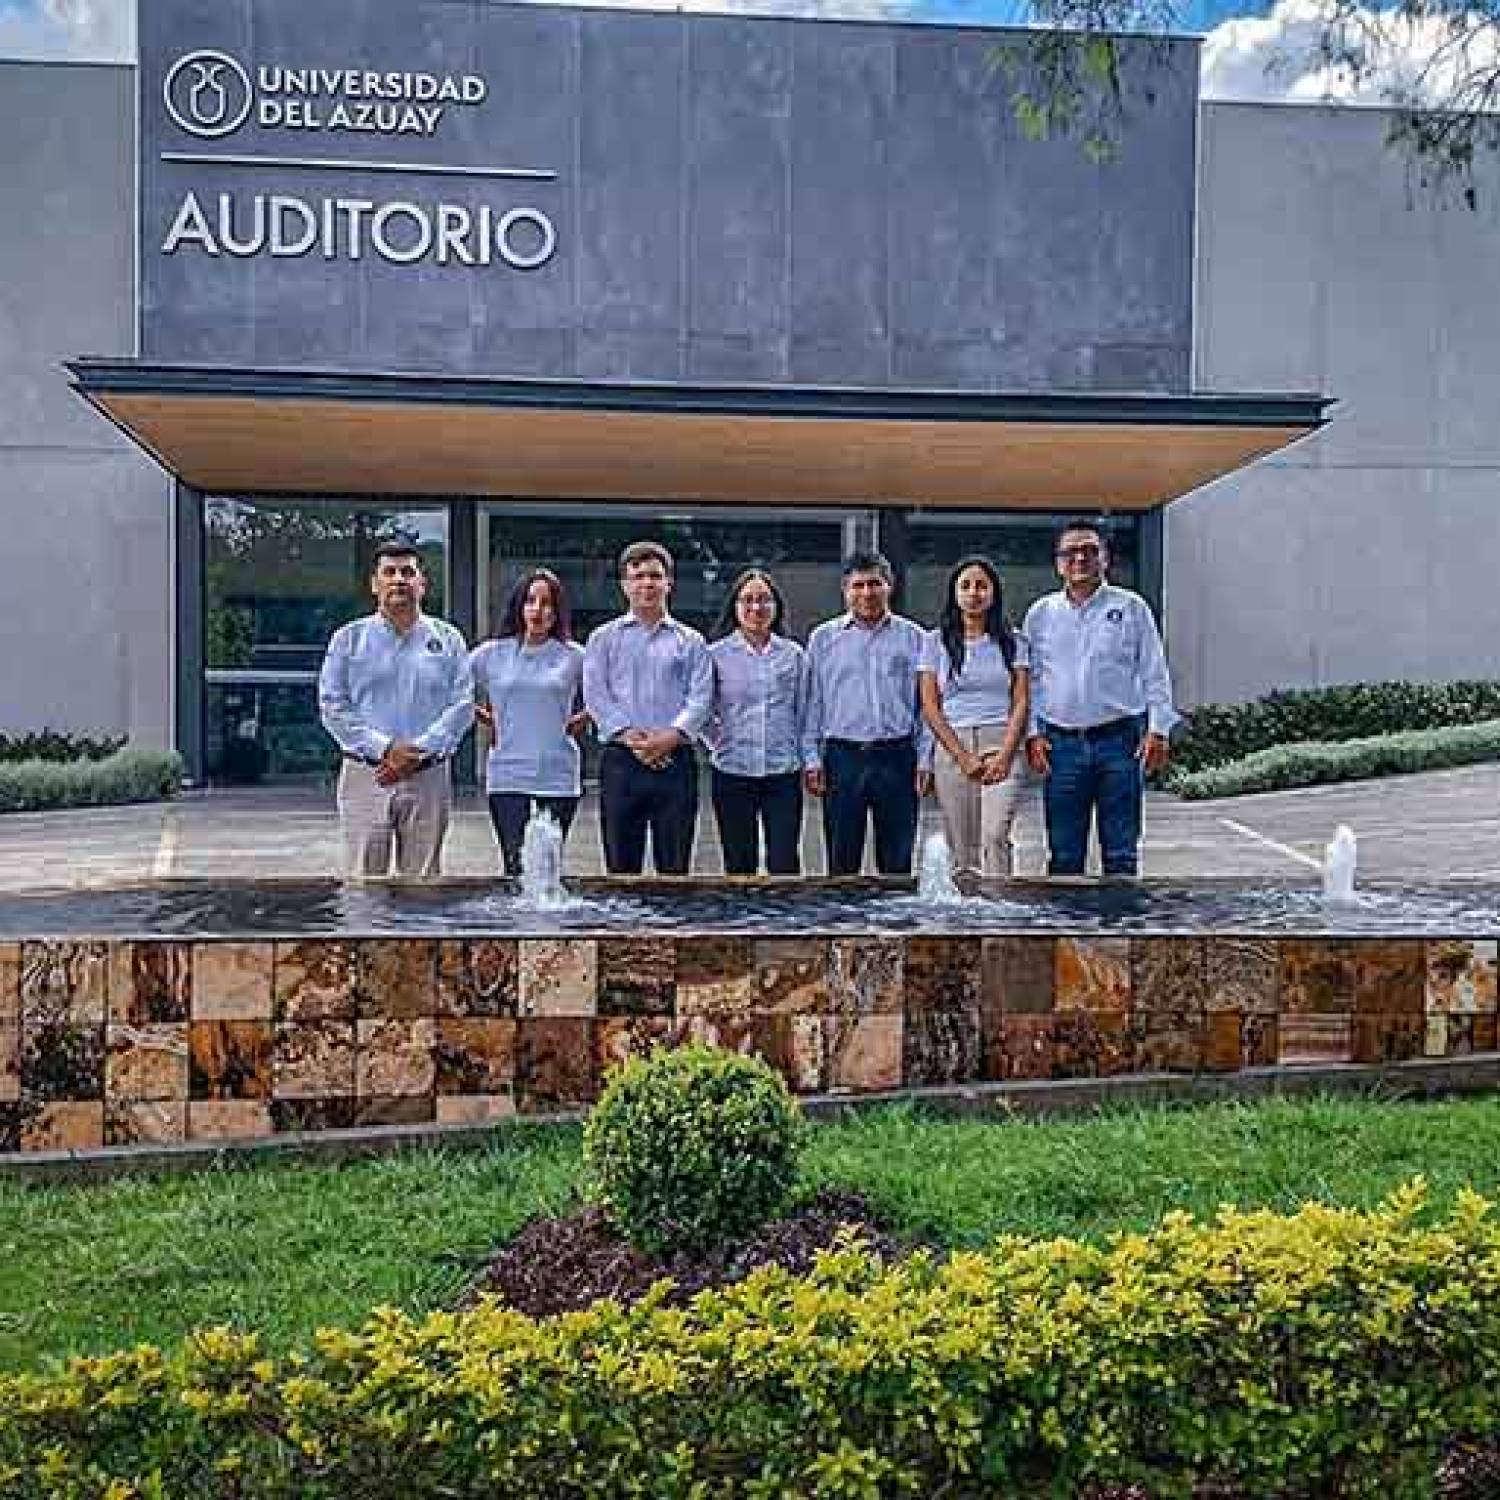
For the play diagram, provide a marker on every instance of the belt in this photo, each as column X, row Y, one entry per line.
column 864, row 746
column 1091, row 731
column 374, row 760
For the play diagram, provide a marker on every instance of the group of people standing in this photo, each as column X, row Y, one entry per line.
column 872, row 715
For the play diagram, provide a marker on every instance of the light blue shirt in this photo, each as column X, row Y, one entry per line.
column 378, row 685
column 638, row 676
column 980, row 694
column 756, row 725
column 1097, row 661
column 862, row 685
column 533, row 691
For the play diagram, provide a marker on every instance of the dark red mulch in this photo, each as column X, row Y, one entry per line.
column 562, row 1265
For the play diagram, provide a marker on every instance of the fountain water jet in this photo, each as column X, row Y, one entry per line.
column 1339, row 859
column 935, row 886
column 541, row 864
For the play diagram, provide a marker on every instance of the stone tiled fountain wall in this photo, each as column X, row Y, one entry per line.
column 118, row 1043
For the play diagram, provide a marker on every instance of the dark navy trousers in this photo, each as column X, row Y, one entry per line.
column 872, row 783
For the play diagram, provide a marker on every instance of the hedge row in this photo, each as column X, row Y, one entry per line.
column 125, row 776
column 1354, row 760
column 50, row 744
column 1328, row 1353
column 1217, row 732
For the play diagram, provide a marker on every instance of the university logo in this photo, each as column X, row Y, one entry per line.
column 208, row 94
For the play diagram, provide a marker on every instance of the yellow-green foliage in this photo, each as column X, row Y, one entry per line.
column 1327, row 1353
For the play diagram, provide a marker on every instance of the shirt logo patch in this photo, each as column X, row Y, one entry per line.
column 435, row 646
column 1115, row 616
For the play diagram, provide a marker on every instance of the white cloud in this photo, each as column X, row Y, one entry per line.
column 1276, row 57
column 71, row 30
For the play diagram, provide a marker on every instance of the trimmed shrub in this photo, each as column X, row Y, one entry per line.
column 125, row 776
column 1218, row 732
column 49, row 744
column 691, row 1146
column 1329, row 1353
column 1353, row 760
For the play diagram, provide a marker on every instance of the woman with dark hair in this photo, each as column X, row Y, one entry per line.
column 527, row 683
column 754, row 731
column 975, row 697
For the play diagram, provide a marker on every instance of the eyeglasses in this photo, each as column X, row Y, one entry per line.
column 1082, row 554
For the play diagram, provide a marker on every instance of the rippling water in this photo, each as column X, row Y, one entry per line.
column 277, row 908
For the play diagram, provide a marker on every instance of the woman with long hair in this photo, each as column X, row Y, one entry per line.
column 975, row 687
column 527, row 685
column 754, row 730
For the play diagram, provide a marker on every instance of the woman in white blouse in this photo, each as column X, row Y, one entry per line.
column 975, row 686
column 528, row 684
column 754, row 731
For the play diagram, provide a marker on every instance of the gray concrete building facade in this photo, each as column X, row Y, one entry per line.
column 522, row 281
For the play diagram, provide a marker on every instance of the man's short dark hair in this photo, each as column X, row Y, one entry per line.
column 869, row 562
column 396, row 547
column 639, row 552
column 1079, row 523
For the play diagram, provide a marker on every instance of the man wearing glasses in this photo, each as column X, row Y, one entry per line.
column 1101, row 707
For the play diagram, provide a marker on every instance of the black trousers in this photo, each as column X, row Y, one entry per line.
column 511, row 811
column 743, row 806
column 875, row 782
column 635, row 800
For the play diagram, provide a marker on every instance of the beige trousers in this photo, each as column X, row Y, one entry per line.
column 977, row 818
column 407, row 820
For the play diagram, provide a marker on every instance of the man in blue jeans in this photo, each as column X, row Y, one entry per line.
column 1101, row 707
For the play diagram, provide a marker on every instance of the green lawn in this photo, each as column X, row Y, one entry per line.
column 288, row 1248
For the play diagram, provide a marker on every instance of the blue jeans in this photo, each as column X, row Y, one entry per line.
column 1096, row 774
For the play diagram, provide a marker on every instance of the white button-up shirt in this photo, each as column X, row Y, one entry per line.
column 862, row 685
column 379, row 684
column 755, row 728
column 638, row 676
column 1097, row 661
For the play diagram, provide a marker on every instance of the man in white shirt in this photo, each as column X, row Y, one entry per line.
column 397, row 694
column 1101, row 707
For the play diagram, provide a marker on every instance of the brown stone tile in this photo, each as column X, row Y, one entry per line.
column 150, row 983
column 66, row 1126
column 1461, row 975
column 1166, row 1049
column 1468, row 1034
column 1260, row 1041
column 1092, row 974
column 1381, row 1039
column 1242, row 974
column 1315, row 1038
column 715, row 976
column 637, row 976
column 395, row 979
column 554, row 1064
column 10, row 1064
column 65, row 983
column 1092, row 1044
column 791, row 975
column 233, row 981
column 802, row 1052
column 475, row 1054
column 230, row 1059
column 559, row 977
column 740, row 1034
column 394, row 1058
column 228, row 1120
column 478, row 976
column 1029, row 1050
column 151, row 1122
column 1019, row 975
column 944, row 974
column 1435, row 1041
column 1169, row 976
column 1390, row 977
column 10, row 984
column 313, row 1060
column 407, row 1109
column 864, row 1054
column 146, row 1063
column 296, row 1115
column 1317, row 977
column 474, row 1109
column 62, row 1062
column 941, row 1047
column 1222, row 1035
column 866, row 976
column 621, row 1038
column 12, row 1114
column 314, row 980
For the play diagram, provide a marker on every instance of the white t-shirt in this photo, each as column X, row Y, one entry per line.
column 980, row 694
column 533, row 691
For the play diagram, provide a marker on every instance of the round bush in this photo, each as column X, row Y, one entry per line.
column 690, row 1147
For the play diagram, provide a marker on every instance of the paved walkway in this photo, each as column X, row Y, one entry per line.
column 1442, row 824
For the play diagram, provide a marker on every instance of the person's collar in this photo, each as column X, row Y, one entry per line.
column 746, row 644
column 1092, row 599
column 666, row 622
column 418, row 621
column 848, row 619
